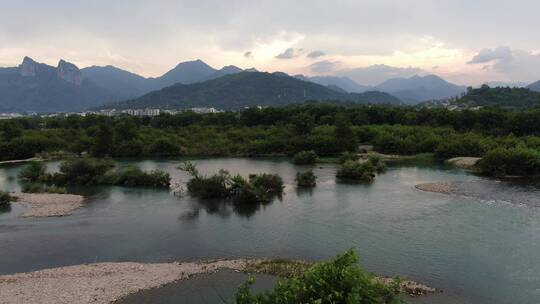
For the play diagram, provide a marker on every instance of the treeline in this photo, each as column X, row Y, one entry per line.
column 326, row 129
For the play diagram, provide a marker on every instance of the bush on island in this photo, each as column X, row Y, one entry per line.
column 378, row 163
column 354, row 171
column 258, row 188
column 41, row 188
column 32, row 172
column 346, row 156
column 306, row 179
column 132, row 176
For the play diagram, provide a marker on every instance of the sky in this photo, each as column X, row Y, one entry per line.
column 467, row 42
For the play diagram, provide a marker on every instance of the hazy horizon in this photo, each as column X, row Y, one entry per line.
column 369, row 41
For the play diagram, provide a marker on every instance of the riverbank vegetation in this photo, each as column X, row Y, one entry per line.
column 326, row 129
column 340, row 280
column 256, row 189
column 516, row 161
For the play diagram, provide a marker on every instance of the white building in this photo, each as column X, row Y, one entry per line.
column 142, row 112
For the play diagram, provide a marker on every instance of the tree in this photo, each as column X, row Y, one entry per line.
column 345, row 138
column 103, row 143
column 303, row 123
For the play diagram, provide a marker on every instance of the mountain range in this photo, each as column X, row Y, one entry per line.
column 420, row 88
column 535, row 86
column 248, row 89
column 37, row 87
column 411, row 90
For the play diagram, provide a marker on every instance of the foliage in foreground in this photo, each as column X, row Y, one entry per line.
column 340, row 280
column 258, row 188
column 306, row 179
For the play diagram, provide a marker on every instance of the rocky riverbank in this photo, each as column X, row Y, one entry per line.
column 48, row 204
column 107, row 282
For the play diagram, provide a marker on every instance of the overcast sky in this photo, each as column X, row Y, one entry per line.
column 464, row 41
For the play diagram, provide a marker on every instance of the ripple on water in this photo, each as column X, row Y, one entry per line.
column 504, row 193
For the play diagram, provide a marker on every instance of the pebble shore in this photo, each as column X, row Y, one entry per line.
column 106, row 283
column 48, row 204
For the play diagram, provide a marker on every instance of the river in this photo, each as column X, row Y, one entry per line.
column 477, row 250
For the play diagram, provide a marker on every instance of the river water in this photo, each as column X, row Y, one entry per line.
column 476, row 248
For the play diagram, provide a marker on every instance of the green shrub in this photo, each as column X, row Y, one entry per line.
column 306, row 179
column 510, row 161
column 33, row 172
column 82, row 171
column 354, row 171
column 340, row 280
column 269, row 183
column 378, row 163
column 347, row 156
column 5, row 199
column 41, row 188
column 259, row 188
column 132, row 176
column 214, row 186
column 305, row 158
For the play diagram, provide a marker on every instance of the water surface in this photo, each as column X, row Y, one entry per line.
column 476, row 250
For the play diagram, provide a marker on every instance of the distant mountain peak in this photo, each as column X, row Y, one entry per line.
column 419, row 88
column 28, row 67
column 69, row 72
column 231, row 69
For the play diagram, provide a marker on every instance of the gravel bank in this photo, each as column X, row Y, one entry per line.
column 108, row 282
column 48, row 204
column 98, row 283
column 464, row 162
column 441, row 187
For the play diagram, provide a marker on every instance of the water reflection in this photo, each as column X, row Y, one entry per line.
column 224, row 208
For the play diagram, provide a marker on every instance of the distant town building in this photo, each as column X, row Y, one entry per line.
column 9, row 115
column 204, row 110
column 142, row 112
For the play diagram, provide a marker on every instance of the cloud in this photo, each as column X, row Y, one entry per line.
column 287, row 54
column 376, row 74
column 512, row 64
column 316, row 54
column 324, row 66
column 248, row 54
column 488, row 55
